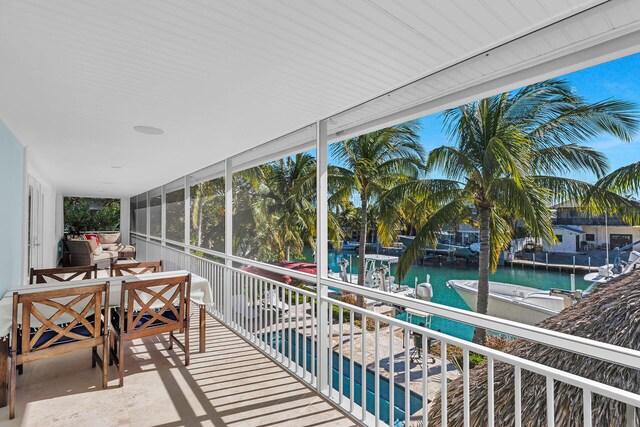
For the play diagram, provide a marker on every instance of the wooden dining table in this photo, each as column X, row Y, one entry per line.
column 201, row 295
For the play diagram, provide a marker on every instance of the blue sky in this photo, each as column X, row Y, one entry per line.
column 619, row 79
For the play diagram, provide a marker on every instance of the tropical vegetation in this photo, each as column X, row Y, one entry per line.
column 91, row 214
column 370, row 165
column 509, row 157
column 507, row 163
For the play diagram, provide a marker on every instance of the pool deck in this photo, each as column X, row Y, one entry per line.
column 399, row 367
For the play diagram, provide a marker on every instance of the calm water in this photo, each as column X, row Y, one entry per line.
column 539, row 279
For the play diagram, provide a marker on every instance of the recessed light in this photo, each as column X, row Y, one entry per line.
column 116, row 167
column 149, row 130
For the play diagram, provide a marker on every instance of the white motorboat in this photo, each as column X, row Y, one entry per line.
column 513, row 302
column 618, row 268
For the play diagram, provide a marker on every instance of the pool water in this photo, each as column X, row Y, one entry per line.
column 415, row 400
column 439, row 275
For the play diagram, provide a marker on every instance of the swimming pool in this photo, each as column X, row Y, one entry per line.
column 415, row 400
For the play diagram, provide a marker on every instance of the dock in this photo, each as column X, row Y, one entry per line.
column 537, row 265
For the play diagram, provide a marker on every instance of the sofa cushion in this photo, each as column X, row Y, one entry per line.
column 95, row 247
column 105, row 255
column 109, row 238
column 110, row 247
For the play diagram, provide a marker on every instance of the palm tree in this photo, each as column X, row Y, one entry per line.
column 509, row 157
column 287, row 198
column 370, row 165
column 207, row 214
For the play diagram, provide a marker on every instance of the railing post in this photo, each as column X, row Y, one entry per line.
column 322, row 252
column 228, row 238
column 163, row 217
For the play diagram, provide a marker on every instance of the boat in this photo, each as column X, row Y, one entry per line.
column 377, row 273
column 447, row 249
column 610, row 271
column 349, row 245
column 515, row 302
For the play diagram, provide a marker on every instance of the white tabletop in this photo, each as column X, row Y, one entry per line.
column 200, row 292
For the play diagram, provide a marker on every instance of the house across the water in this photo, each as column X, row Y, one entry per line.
column 578, row 232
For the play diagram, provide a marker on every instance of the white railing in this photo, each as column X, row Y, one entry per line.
column 376, row 364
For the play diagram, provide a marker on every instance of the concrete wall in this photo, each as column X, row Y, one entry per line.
column 568, row 243
column 12, row 190
column 601, row 237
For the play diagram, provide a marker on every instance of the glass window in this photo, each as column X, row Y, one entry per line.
column 207, row 214
column 175, row 215
column 155, row 212
column 274, row 216
column 141, row 214
column 619, row 240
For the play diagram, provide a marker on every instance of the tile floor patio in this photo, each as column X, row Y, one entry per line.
column 231, row 384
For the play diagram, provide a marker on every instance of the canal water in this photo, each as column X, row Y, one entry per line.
column 539, row 279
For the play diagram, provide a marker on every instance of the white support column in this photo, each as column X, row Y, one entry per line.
column 228, row 236
column 322, row 256
column 163, row 217
column 147, row 232
column 187, row 215
column 125, row 219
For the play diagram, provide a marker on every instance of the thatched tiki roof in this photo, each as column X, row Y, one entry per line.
column 610, row 314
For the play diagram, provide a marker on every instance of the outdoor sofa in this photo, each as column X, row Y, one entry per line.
column 100, row 249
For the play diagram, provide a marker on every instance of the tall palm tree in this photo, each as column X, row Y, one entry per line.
column 510, row 155
column 207, row 214
column 371, row 164
column 288, row 196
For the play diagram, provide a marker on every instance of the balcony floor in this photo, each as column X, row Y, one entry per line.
column 230, row 384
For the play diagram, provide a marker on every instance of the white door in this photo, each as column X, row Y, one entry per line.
column 34, row 224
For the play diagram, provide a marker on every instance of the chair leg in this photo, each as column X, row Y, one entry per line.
column 171, row 340
column 105, row 363
column 20, row 369
column 12, row 386
column 121, row 361
column 94, row 352
column 186, row 345
column 111, row 348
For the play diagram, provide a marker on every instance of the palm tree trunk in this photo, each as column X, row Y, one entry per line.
column 362, row 248
column 200, row 208
column 483, row 271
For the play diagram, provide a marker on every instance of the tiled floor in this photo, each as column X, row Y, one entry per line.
column 230, row 384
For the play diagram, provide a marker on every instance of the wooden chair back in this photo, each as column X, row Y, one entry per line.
column 154, row 306
column 135, row 268
column 63, row 274
column 57, row 313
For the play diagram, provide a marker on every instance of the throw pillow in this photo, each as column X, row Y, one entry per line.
column 109, row 238
column 92, row 237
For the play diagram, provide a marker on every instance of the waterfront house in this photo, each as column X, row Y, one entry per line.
column 578, row 232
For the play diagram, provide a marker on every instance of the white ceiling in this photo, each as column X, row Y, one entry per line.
column 220, row 77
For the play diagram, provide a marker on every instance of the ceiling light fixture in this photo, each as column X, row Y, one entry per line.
column 148, row 130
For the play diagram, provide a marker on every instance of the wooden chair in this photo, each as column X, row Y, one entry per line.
column 84, row 311
column 147, row 308
column 135, row 268
column 63, row 274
